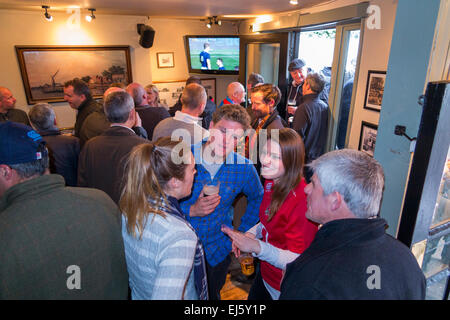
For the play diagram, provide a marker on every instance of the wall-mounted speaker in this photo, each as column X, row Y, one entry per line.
column 147, row 34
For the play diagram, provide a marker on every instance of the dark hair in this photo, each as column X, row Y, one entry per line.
column 79, row 87
column 293, row 158
column 118, row 106
column 270, row 92
column 315, row 81
column 37, row 167
column 255, row 78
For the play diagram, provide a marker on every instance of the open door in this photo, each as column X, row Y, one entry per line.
column 267, row 55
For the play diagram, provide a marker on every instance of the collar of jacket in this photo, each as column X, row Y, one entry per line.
column 269, row 120
column 31, row 188
column 310, row 97
column 118, row 130
column 50, row 132
column 339, row 233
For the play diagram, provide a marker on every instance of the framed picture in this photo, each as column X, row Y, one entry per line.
column 165, row 59
column 374, row 90
column 170, row 91
column 210, row 87
column 45, row 69
column 368, row 138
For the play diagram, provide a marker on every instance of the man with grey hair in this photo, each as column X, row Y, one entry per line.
column 63, row 149
column 150, row 116
column 311, row 119
column 102, row 160
column 351, row 256
column 186, row 124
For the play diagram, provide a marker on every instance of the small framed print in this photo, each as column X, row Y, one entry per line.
column 368, row 138
column 165, row 59
column 374, row 90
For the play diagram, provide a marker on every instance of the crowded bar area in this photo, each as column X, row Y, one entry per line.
column 276, row 150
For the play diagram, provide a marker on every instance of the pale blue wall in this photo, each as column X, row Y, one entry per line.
column 406, row 75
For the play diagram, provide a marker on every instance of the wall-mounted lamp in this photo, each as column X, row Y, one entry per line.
column 47, row 16
column 90, row 17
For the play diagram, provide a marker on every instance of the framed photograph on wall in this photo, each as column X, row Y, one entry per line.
column 374, row 90
column 210, row 87
column 170, row 91
column 165, row 59
column 45, row 69
column 368, row 138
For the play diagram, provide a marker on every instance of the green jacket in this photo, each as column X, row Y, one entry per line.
column 60, row 242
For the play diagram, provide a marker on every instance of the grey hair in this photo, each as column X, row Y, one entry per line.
column 193, row 96
column 316, row 82
column 118, row 106
column 34, row 168
column 42, row 116
column 358, row 178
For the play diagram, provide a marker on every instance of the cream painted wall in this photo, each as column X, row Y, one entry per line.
column 30, row 28
column 374, row 56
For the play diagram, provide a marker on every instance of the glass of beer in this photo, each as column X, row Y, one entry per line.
column 246, row 261
column 211, row 188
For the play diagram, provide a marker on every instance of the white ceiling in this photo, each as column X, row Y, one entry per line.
column 168, row 8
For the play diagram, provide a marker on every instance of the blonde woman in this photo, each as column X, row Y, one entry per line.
column 164, row 256
column 153, row 96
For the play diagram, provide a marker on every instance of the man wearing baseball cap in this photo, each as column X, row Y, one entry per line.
column 56, row 242
column 298, row 70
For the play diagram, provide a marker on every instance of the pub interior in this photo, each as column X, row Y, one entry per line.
column 379, row 60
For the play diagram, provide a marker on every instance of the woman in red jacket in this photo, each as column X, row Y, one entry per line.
column 283, row 232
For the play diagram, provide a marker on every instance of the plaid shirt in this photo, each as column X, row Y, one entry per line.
column 236, row 175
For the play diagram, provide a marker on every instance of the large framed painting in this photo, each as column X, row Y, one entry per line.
column 368, row 138
column 45, row 69
column 374, row 90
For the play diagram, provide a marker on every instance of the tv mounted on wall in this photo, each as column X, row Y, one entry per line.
column 212, row 54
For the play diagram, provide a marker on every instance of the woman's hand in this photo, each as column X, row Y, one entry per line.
column 242, row 242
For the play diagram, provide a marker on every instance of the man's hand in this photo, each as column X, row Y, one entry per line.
column 204, row 205
column 138, row 122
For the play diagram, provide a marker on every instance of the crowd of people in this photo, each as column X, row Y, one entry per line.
column 121, row 208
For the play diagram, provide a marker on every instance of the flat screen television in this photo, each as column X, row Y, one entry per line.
column 212, row 54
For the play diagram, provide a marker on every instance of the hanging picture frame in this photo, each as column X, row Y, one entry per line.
column 368, row 138
column 374, row 90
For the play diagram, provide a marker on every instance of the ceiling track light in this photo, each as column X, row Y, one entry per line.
column 90, row 17
column 213, row 20
column 47, row 16
column 294, row 2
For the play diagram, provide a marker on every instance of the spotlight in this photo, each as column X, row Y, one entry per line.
column 209, row 24
column 91, row 17
column 293, row 2
column 47, row 16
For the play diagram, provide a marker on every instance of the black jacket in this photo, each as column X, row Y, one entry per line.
column 311, row 122
column 85, row 109
column 343, row 263
column 63, row 153
column 151, row 116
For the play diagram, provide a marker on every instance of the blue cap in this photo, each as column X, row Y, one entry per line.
column 19, row 143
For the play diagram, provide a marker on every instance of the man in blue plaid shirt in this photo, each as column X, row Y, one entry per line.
column 216, row 161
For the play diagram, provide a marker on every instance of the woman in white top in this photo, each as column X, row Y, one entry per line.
column 164, row 256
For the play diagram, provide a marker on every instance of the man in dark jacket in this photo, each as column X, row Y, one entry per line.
column 78, row 95
column 8, row 112
column 351, row 256
column 311, row 119
column 102, row 159
column 298, row 70
column 209, row 108
column 265, row 98
column 63, row 149
column 56, row 242
column 150, row 116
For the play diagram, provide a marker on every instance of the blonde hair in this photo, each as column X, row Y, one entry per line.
column 148, row 170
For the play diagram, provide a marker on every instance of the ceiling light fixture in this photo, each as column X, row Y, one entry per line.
column 91, row 17
column 293, row 2
column 213, row 20
column 47, row 16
